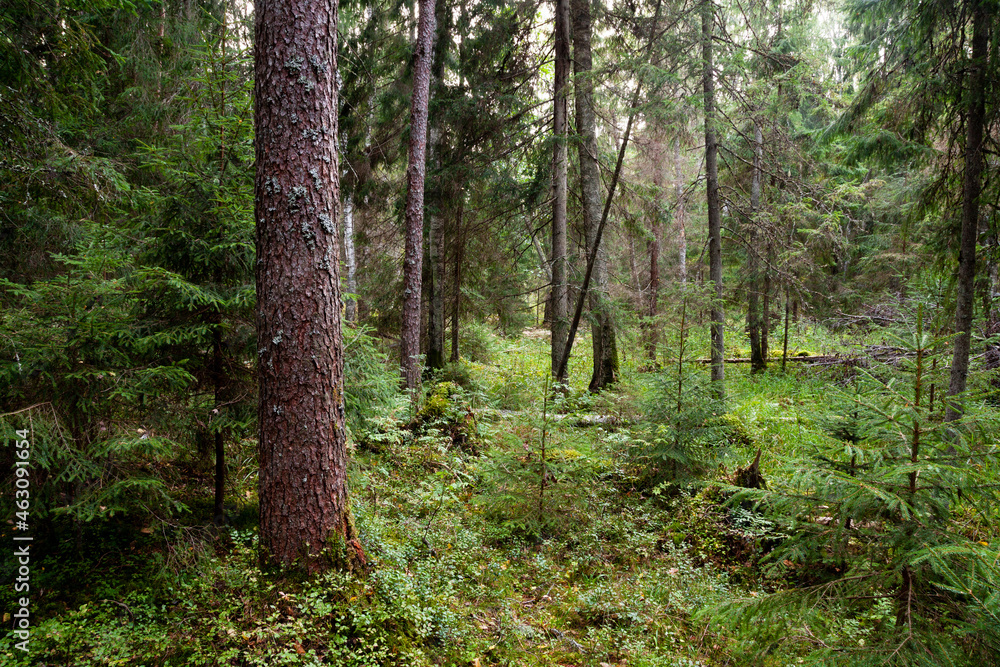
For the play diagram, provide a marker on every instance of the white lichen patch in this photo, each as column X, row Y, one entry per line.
column 326, row 223
column 309, row 85
column 297, row 194
column 317, row 181
column 308, row 234
column 318, row 66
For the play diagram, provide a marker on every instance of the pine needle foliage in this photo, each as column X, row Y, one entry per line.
column 686, row 428
column 873, row 537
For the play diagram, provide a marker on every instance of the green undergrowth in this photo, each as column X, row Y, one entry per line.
column 506, row 525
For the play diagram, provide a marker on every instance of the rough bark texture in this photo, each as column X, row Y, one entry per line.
column 714, row 213
column 560, row 294
column 440, row 200
column 602, row 327
column 304, row 514
column 415, row 175
column 971, row 187
column 758, row 362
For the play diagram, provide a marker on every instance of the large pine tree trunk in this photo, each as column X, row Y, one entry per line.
column 971, row 188
column 602, row 330
column 560, row 295
column 714, row 213
column 415, row 177
column 758, row 362
column 302, row 447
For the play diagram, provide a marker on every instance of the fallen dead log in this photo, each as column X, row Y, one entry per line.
column 813, row 358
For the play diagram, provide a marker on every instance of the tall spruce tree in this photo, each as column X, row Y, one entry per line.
column 934, row 60
column 603, row 327
column 712, row 194
column 416, row 172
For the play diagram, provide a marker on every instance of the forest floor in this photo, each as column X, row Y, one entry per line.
column 503, row 527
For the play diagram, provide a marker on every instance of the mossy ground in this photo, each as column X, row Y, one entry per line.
column 480, row 556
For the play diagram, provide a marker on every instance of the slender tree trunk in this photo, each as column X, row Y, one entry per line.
column 652, row 338
column 351, row 307
column 440, row 202
column 602, row 329
column 415, row 176
column 649, row 328
column 459, row 253
column 758, row 362
column 633, row 269
column 560, row 295
column 765, row 326
column 988, row 274
column 992, row 282
column 302, row 446
column 217, row 373
column 714, row 213
column 971, row 188
column 412, row 24
column 784, row 342
column 220, row 440
column 435, row 252
column 680, row 213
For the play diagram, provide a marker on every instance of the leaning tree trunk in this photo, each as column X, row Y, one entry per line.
column 603, row 329
column 560, row 295
column 714, row 217
column 971, row 188
column 758, row 362
column 304, row 513
column 415, row 176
